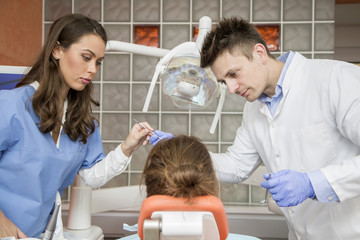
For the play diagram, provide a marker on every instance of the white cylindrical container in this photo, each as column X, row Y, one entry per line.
column 80, row 206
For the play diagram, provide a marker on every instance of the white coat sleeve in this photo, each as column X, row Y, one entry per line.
column 344, row 98
column 240, row 160
column 100, row 173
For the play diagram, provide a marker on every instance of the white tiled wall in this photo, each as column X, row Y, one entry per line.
column 306, row 26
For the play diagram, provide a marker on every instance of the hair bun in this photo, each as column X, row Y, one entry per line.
column 185, row 180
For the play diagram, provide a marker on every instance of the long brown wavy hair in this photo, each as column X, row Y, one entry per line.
column 180, row 167
column 80, row 123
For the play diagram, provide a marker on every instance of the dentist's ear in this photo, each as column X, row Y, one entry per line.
column 259, row 52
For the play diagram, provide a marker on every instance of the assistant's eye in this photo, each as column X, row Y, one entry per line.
column 98, row 63
column 86, row 58
column 222, row 81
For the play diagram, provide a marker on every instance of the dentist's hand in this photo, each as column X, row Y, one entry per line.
column 154, row 139
column 288, row 187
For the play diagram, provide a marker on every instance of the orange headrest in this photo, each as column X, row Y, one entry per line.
column 167, row 203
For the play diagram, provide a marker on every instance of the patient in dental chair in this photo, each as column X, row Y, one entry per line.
column 181, row 167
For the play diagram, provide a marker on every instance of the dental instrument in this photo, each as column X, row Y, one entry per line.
column 266, row 193
column 265, row 200
column 144, row 127
column 50, row 228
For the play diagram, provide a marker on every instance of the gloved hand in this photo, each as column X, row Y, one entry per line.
column 154, row 139
column 288, row 187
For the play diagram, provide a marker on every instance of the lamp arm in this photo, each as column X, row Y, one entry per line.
column 205, row 25
column 113, row 45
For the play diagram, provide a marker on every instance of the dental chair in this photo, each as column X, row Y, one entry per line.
column 166, row 217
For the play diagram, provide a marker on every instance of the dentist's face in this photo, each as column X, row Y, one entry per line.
column 80, row 62
column 244, row 77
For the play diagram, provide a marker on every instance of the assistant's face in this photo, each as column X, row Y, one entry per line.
column 246, row 78
column 80, row 62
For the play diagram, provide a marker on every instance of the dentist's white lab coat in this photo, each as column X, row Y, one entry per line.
column 316, row 126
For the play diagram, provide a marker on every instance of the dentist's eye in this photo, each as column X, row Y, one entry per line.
column 98, row 63
column 233, row 74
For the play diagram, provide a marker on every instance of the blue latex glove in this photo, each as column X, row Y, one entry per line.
column 288, row 187
column 154, row 139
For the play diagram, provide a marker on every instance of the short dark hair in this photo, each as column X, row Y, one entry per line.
column 231, row 34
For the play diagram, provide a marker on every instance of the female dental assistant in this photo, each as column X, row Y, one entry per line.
column 47, row 131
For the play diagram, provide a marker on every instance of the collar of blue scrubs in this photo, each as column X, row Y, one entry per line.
column 273, row 101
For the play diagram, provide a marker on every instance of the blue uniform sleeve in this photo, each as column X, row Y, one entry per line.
column 95, row 151
column 322, row 188
column 4, row 132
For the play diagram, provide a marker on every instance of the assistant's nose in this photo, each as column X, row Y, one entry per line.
column 92, row 68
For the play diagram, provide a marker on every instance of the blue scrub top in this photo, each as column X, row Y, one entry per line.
column 32, row 168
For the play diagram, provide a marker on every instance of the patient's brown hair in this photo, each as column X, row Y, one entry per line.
column 180, row 167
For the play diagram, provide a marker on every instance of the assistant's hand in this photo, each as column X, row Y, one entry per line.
column 154, row 139
column 288, row 187
column 138, row 136
column 8, row 228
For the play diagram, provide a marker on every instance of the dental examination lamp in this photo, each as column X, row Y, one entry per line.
column 183, row 81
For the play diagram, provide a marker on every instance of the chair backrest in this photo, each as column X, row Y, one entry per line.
column 207, row 206
column 11, row 75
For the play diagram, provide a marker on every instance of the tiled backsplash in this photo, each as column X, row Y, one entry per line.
column 121, row 86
